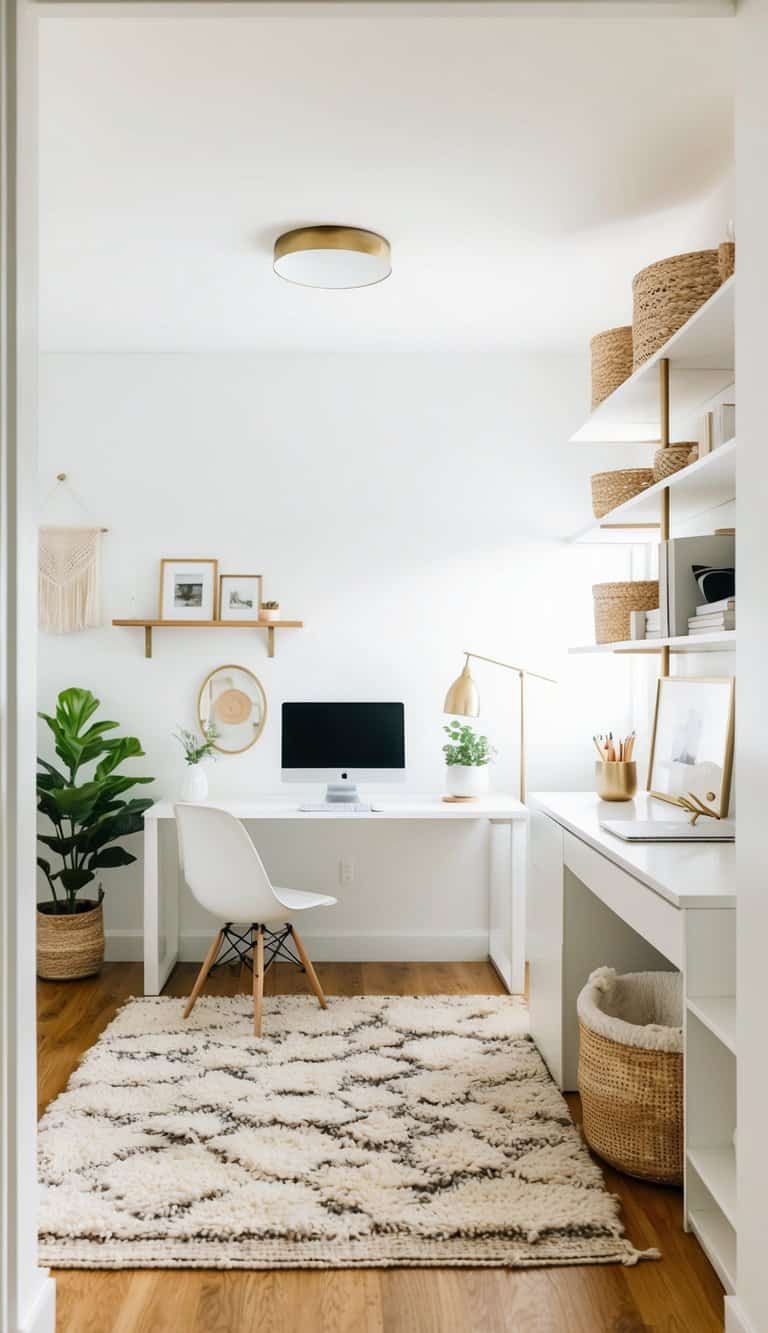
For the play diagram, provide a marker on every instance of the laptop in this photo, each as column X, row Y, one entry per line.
column 671, row 830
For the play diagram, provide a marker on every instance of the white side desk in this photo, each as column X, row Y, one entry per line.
column 595, row 901
column 505, row 815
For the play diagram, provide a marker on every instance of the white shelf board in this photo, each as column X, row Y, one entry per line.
column 716, row 1168
column 718, row 1241
column 718, row 1014
column 694, row 490
column 718, row 641
column 701, row 357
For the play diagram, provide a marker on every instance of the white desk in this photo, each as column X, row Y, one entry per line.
column 598, row 901
column 505, row 815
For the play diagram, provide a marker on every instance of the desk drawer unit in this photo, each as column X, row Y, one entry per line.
column 640, row 907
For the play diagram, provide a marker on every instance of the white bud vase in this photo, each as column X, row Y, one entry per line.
column 195, row 784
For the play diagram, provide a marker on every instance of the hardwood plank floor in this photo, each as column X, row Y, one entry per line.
column 679, row 1294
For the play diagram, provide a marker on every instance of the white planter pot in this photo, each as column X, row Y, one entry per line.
column 466, row 779
column 195, row 784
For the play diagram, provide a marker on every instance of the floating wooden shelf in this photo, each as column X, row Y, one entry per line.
column 269, row 625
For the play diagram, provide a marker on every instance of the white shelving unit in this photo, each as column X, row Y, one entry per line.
column 696, row 489
column 716, row 642
column 654, row 406
column 701, row 362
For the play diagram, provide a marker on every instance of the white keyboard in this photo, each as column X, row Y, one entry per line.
column 337, row 808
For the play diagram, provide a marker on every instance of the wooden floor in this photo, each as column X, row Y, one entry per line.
column 679, row 1294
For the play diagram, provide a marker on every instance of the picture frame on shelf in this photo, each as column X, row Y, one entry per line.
column 692, row 741
column 189, row 588
column 240, row 596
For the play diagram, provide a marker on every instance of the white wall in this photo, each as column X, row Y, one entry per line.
column 750, row 1310
column 406, row 506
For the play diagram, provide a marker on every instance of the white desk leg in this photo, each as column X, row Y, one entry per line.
column 506, row 935
column 160, row 951
column 519, row 889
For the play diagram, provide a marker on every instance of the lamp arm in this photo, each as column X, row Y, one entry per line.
column 509, row 666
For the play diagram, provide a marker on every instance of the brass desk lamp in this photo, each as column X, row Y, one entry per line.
column 463, row 700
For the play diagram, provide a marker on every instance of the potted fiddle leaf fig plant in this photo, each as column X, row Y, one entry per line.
column 89, row 816
column 467, row 757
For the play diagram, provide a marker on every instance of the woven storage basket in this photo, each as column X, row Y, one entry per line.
column 672, row 459
column 611, row 361
column 726, row 259
column 631, row 1074
column 70, row 946
column 613, row 603
column 610, row 489
column 666, row 294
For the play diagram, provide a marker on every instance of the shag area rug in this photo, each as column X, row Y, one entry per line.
column 381, row 1131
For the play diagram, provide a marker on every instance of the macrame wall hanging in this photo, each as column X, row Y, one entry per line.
column 69, row 575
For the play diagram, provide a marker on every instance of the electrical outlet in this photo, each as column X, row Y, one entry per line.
column 346, row 871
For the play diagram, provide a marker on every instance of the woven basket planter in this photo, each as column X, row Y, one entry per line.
column 610, row 489
column 631, row 1074
column 672, row 459
column 69, row 946
column 613, row 603
column 611, row 353
column 666, row 294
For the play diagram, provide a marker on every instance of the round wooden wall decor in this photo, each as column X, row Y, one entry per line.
column 233, row 700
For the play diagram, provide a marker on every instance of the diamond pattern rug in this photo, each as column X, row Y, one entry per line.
column 382, row 1131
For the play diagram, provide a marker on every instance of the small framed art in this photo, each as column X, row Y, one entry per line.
column 188, row 589
column 239, row 596
column 692, row 745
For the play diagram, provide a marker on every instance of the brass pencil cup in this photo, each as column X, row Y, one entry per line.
column 616, row 781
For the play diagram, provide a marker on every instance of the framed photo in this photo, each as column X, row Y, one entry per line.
column 239, row 596
column 692, row 745
column 188, row 589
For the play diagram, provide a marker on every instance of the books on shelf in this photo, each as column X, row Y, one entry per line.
column 679, row 591
column 713, row 616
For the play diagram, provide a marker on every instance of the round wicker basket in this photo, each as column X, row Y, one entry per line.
column 610, row 489
column 726, row 259
column 666, row 294
column 631, row 1071
column 611, row 353
column 69, row 946
column 672, row 459
column 613, row 603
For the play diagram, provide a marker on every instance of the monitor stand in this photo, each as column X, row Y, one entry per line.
column 338, row 796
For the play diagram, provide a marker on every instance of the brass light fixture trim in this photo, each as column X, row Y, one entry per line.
column 331, row 257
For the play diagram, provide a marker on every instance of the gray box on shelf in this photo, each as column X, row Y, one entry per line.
column 679, row 593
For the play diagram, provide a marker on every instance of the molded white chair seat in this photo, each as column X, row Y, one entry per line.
column 226, row 874
column 297, row 900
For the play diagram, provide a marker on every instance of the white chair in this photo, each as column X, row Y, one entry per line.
column 225, row 873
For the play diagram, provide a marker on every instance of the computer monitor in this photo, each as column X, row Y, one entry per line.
column 343, row 744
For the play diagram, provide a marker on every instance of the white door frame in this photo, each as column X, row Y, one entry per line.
column 27, row 1293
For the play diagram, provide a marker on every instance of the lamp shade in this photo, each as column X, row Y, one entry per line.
column 462, row 698
column 332, row 257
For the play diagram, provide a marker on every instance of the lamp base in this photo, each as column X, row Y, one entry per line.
column 457, row 800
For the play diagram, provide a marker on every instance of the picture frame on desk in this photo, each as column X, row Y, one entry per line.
column 692, row 741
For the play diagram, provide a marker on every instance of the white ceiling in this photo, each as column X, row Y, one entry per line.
column 522, row 170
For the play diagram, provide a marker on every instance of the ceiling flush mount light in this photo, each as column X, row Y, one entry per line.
column 332, row 257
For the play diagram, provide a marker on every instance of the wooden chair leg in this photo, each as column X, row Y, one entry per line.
column 258, row 978
column 210, row 959
column 306, row 963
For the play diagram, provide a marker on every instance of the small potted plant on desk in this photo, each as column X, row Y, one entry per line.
column 270, row 611
column 195, row 751
column 88, row 820
column 467, row 757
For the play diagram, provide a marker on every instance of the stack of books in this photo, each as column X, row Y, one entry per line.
column 713, row 616
column 653, row 624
